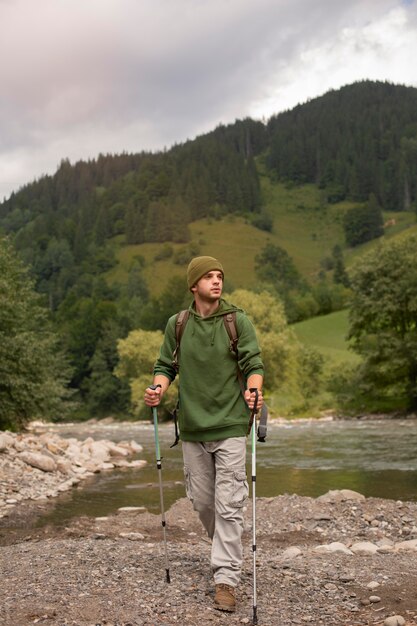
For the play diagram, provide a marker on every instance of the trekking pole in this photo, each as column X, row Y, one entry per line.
column 161, row 494
column 253, row 436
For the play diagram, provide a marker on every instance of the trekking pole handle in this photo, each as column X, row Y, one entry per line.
column 154, row 387
column 256, row 392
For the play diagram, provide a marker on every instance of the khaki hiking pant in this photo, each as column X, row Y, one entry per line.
column 216, row 484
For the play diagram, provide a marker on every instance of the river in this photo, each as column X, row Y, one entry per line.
column 375, row 457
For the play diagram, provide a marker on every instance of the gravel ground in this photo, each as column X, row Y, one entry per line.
column 111, row 571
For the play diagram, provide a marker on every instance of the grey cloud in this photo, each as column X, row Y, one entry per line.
column 105, row 75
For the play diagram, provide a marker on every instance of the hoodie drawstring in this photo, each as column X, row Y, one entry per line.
column 213, row 332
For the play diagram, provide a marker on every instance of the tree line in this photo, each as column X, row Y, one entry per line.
column 353, row 142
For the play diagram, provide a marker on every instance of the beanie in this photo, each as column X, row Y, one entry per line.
column 199, row 266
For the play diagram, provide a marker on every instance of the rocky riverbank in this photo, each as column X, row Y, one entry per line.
column 38, row 467
column 337, row 560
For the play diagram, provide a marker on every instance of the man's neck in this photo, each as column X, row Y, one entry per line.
column 204, row 309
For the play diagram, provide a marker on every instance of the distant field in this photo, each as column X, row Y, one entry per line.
column 305, row 227
column 232, row 240
column 327, row 334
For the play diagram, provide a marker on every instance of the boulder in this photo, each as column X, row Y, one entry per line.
column 116, row 450
column 38, row 460
column 99, row 452
column 410, row 545
column 364, row 547
column 395, row 620
column 341, row 495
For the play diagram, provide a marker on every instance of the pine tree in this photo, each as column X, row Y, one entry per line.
column 33, row 371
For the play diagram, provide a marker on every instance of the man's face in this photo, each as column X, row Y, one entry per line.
column 209, row 287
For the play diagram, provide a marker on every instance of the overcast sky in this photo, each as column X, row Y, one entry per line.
column 80, row 77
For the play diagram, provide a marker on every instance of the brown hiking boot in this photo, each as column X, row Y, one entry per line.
column 224, row 600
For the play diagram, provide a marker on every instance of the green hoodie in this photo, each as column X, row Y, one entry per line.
column 211, row 405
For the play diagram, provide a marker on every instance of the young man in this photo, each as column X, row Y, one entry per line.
column 213, row 416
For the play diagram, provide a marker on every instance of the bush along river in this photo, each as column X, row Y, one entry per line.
column 308, row 458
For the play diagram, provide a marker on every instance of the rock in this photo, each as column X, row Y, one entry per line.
column 120, row 463
column 38, row 460
column 291, row 553
column 73, row 451
column 135, row 447
column 372, row 585
column 65, row 486
column 118, row 451
column 132, row 536
column 6, row 441
column 364, row 547
column 346, row 578
column 54, row 448
column 395, row 620
column 336, row 546
column 409, row 545
column 374, row 599
column 137, row 463
column 99, row 452
column 340, row 495
column 131, row 509
column 385, row 543
column 64, row 466
column 106, row 466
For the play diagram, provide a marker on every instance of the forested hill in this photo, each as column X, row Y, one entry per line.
column 356, row 145
column 359, row 140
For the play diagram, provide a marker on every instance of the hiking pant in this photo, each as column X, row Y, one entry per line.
column 215, row 480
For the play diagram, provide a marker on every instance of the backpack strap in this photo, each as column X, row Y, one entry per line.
column 180, row 322
column 230, row 324
column 229, row 320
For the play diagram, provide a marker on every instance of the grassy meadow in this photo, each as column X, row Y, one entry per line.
column 327, row 334
column 303, row 225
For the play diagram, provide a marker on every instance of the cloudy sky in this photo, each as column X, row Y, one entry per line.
column 80, row 77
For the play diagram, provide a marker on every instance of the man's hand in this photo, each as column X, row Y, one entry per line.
column 250, row 397
column 153, row 395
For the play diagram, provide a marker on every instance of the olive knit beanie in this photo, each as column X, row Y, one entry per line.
column 199, row 266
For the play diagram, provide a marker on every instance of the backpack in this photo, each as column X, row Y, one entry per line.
column 229, row 320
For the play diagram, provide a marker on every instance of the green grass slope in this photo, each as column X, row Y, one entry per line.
column 327, row 335
column 305, row 226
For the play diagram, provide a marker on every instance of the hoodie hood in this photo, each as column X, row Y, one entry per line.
column 215, row 319
column 224, row 307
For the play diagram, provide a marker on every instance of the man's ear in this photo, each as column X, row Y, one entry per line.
column 193, row 289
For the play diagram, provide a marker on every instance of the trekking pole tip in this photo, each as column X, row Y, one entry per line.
column 168, row 576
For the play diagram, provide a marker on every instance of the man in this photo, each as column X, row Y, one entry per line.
column 213, row 416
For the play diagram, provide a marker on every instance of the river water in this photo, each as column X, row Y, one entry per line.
column 375, row 457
